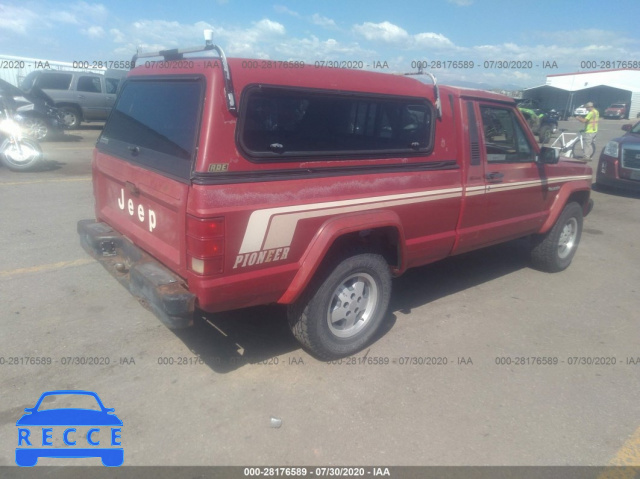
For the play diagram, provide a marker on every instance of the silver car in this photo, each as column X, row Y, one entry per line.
column 80, row 96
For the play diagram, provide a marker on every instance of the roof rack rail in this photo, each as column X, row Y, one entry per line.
column 178, row 54
column 436, row 90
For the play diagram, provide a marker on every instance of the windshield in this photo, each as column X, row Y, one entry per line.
column 636, row 128
column 616, row 105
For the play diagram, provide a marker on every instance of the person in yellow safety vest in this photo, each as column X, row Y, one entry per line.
column 590, row 130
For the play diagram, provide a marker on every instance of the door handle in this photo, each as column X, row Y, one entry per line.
column 81, row 97
column 494, row 176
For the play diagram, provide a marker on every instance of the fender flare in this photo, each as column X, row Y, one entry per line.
column 328, row 233
column 568, row 189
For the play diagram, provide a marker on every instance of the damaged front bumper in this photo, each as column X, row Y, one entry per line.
column 157, row 288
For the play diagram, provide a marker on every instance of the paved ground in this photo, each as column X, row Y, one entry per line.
column 206, row 396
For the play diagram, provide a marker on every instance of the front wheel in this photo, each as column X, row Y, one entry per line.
column 341, row 315
column 21, row 155
column 70, row 117
column 553, row 251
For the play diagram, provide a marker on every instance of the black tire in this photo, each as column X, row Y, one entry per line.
column 71, row 117
column 544, row 135
column 29, row 157
column 322, row 320
column 553, row 251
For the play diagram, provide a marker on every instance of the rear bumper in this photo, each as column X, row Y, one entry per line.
column 155, row 286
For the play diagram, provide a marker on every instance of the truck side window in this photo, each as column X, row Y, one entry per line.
column 504, row 139
column 279, row 122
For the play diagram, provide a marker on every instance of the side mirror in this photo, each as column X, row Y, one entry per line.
column 549, row 156
column 627, row 127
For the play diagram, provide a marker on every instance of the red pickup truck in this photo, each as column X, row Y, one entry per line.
column 226, row 184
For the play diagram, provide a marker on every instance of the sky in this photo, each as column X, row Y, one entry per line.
column 512, row 44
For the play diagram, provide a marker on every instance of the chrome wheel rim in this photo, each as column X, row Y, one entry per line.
column 352, row 305
column 37, row 129
column 568, row 237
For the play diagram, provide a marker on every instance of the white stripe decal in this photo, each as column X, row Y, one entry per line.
column 498, row 187
column 259, row 220
column 274, row 227
column 283, row 226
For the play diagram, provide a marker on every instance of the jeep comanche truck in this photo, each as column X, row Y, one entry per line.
column 226, row 184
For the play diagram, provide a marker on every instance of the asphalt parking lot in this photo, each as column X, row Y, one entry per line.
column 482, row 361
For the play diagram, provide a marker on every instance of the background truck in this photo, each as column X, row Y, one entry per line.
column 617, row 110
column 226, row 184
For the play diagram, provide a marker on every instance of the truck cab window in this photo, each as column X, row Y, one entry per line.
column 504, row 138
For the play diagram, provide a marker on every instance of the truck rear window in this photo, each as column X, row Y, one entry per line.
column 278, row 122
column 155, row 123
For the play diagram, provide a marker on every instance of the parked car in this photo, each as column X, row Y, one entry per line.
column 220, row 187
column 617, row 110
column 80, row 96
column 619, row 164
column 35, row 111
column 580, row 111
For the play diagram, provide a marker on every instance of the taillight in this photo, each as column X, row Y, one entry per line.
column 205, row 245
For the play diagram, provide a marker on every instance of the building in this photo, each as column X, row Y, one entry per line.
column 565, row 92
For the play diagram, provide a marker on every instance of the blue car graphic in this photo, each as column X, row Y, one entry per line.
column 28, row 456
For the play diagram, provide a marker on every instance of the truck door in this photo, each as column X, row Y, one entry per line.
column 515, row 196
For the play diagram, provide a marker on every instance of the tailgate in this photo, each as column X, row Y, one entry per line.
column 146, row 207
column 143, row 162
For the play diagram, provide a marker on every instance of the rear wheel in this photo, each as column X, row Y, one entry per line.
column 553, row 251
column 579, row 149
column 339, row 315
